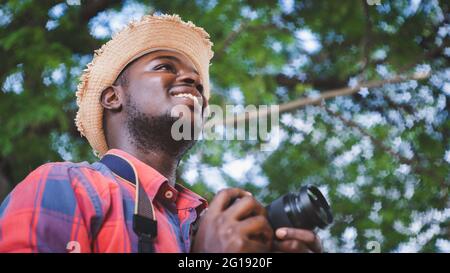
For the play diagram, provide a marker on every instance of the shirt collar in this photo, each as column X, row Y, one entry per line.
column 156, row 185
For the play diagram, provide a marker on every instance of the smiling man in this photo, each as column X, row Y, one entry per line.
column 129, row 201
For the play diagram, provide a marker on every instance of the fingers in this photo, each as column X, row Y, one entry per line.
column 303, row 237
column 224, row 197
column 245, row 207
column 254, row 246
column 257, row 227
column 291, row 246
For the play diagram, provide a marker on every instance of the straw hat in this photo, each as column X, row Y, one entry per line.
column 152, row 32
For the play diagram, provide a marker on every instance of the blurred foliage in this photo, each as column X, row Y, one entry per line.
column 382, row 158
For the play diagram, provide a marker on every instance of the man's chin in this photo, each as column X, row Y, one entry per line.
column 156, row 132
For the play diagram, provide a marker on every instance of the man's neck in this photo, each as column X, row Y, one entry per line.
column 163, row 156
column 164, row 163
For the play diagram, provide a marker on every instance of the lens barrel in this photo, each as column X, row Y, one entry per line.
column 306, row 209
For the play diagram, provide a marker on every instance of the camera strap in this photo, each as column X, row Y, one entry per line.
column 144, row 217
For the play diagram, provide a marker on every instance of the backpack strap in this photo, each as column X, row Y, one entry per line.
column 144, row 217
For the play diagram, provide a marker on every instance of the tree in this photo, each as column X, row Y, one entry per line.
column 381, row 153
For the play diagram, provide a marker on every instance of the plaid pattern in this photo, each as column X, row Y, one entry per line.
column 61, row 207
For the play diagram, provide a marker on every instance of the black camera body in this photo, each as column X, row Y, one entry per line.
column 307, row 209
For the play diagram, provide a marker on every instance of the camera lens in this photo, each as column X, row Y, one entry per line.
column 306, row 209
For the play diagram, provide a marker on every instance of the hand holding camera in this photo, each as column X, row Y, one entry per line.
column 294, row 216
column 234, row 222
column 237, row 222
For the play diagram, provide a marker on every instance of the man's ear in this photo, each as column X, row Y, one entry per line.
column 112, row 98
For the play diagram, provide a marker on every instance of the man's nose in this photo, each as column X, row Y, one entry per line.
column 192, row 78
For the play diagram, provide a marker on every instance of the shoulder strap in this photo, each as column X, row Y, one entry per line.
column 144, row 218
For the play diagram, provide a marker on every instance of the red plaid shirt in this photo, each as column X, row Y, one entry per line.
column 64, row 207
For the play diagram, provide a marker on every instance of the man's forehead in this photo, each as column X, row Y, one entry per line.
column 167, row 54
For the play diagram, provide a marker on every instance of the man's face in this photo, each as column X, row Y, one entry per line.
column 163, row 79
column 158, row 82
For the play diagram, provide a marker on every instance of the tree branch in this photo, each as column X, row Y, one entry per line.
column 92, row 7
column 230, row 39
column 328, row 94
column 414, row 163
column 316, row 83
column 243, row 26
column 367, row 38
column 374, row 140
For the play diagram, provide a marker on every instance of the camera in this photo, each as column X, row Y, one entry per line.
column 306, row 209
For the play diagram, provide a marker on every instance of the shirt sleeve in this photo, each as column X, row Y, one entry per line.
column 54, row 209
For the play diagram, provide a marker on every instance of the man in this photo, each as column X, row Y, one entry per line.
column 129, row 201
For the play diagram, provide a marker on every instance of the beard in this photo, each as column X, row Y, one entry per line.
column 153, row 133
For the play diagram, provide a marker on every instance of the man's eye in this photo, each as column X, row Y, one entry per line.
column 167, row 67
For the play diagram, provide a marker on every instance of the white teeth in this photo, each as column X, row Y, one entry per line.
column 194, row 98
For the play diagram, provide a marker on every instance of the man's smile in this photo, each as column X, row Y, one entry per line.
column 188, row 94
